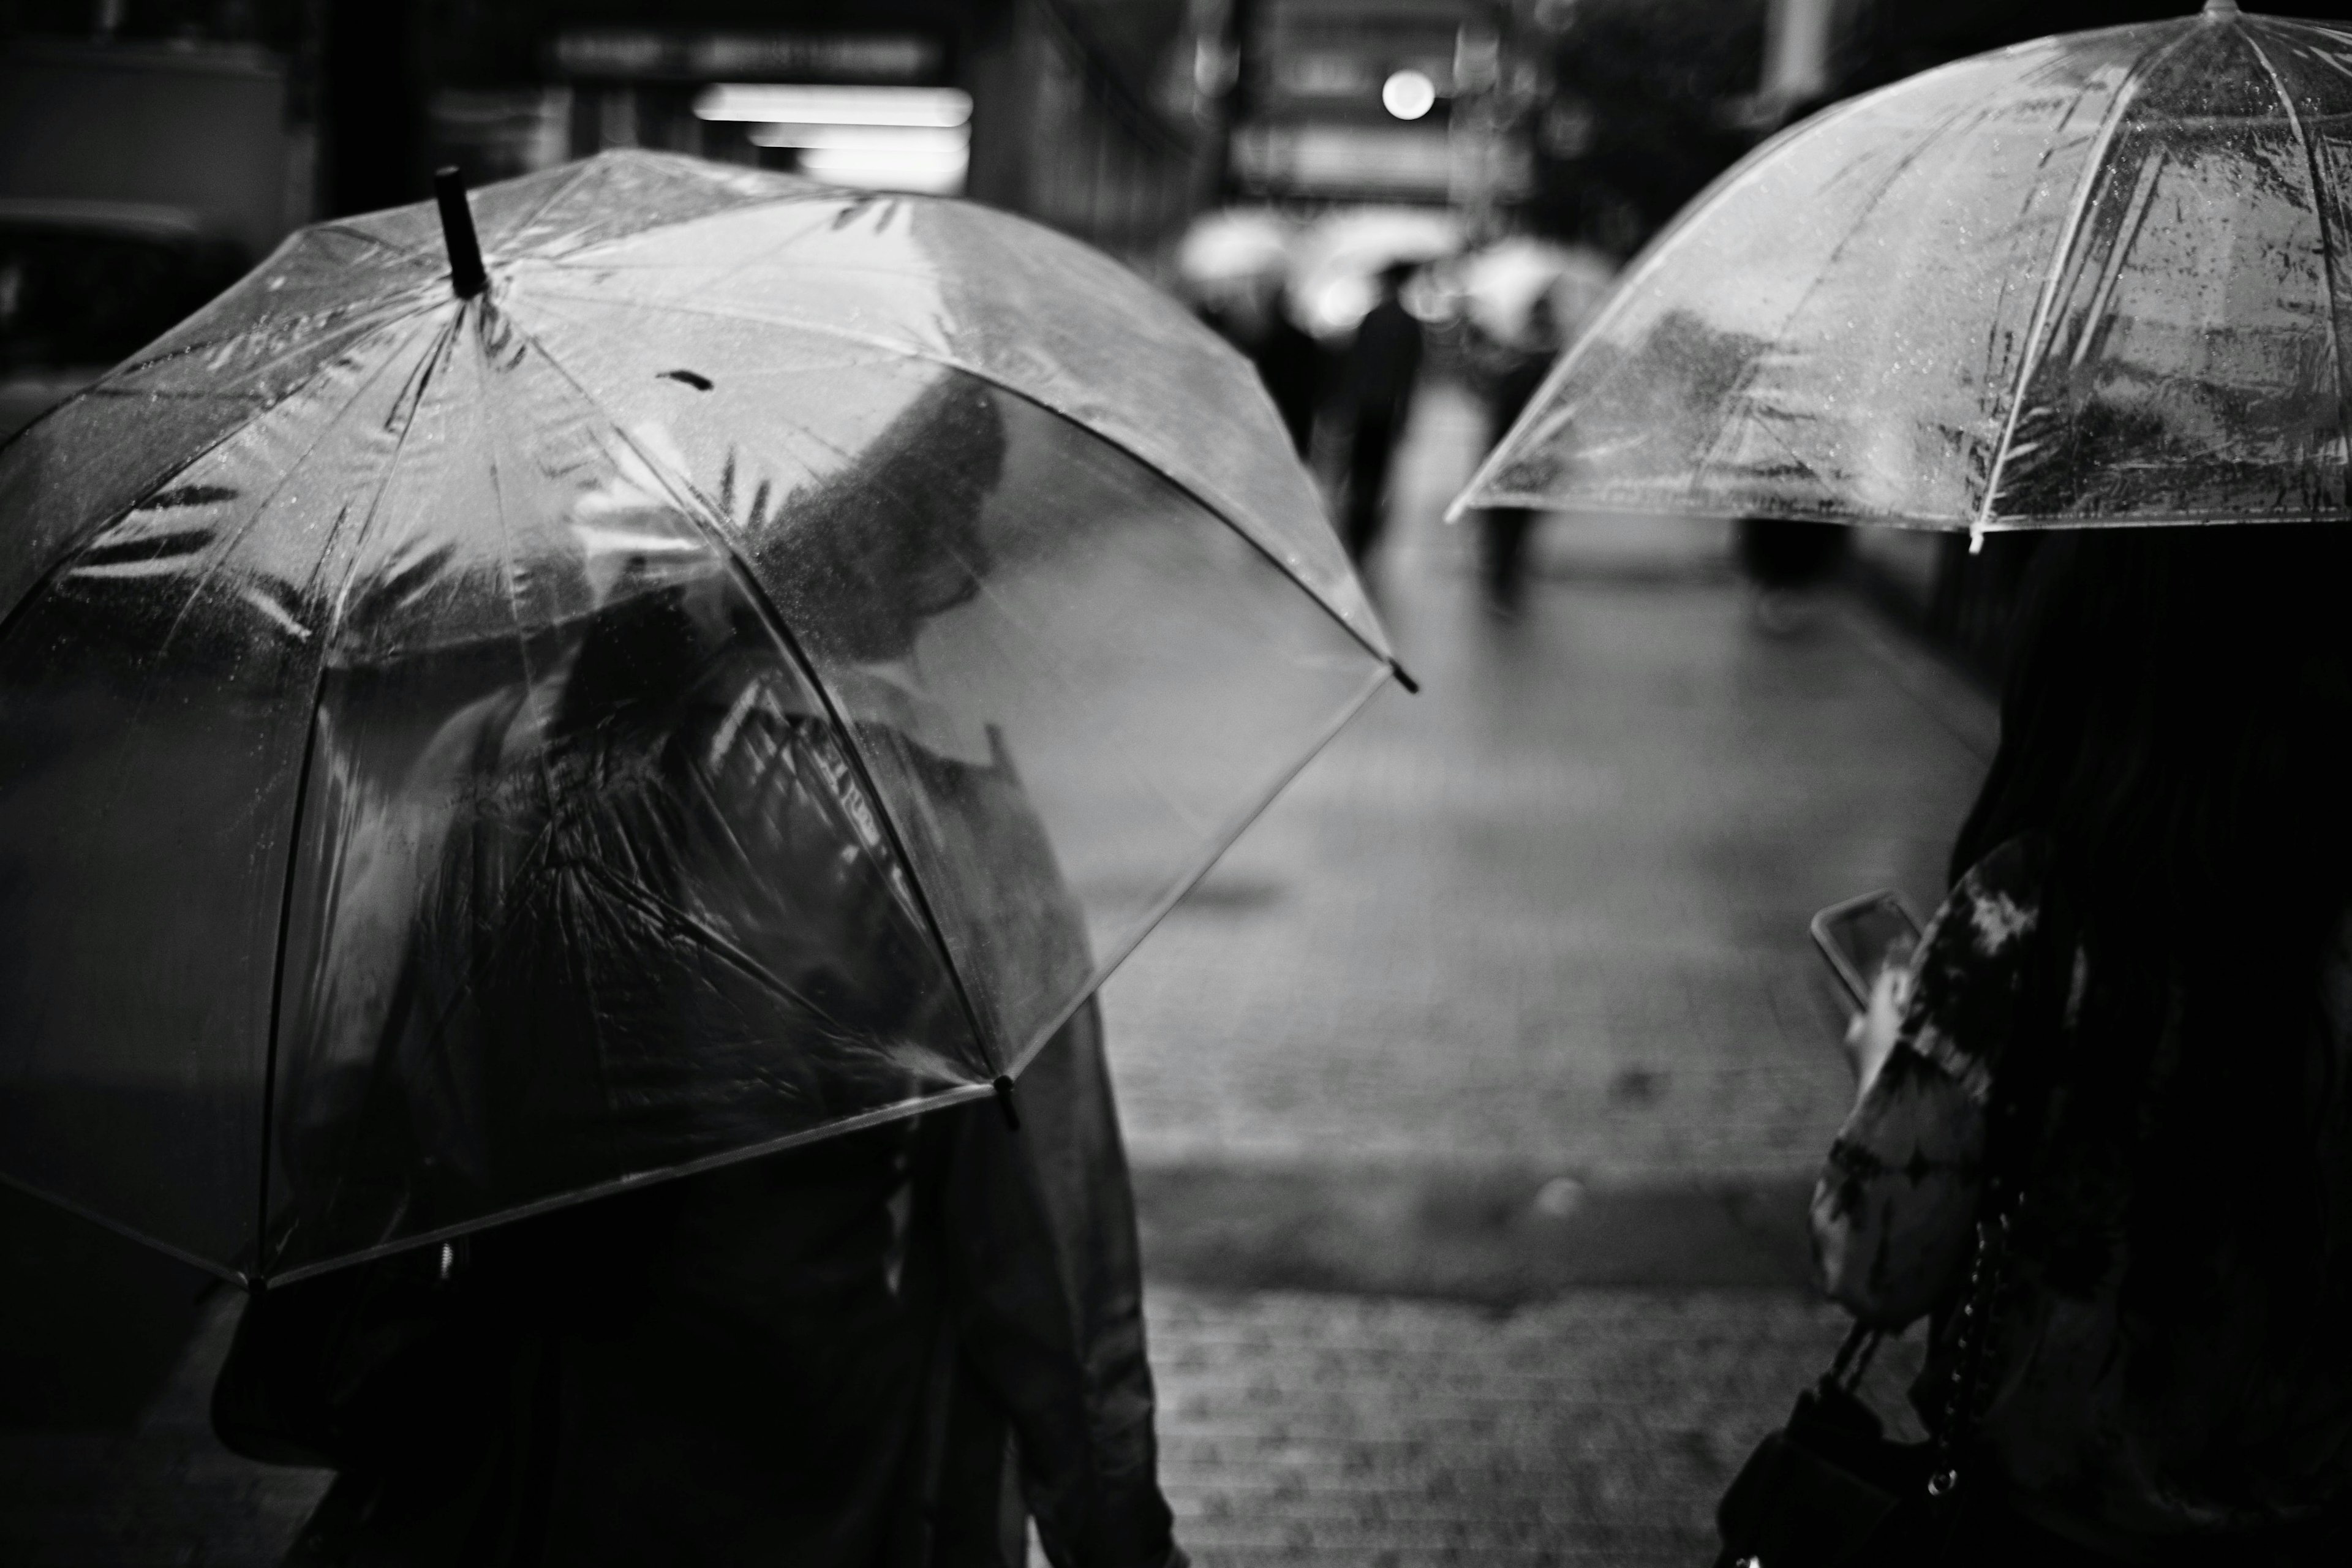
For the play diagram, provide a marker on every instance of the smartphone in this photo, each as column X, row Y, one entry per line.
column 1861, row 936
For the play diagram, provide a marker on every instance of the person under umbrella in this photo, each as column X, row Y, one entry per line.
column 541, row 731
column 1512, row 373
column 2129, row 1029
column 815, row 1358
column 2102, row 1140
column 1377, row 378
column 1290, row 362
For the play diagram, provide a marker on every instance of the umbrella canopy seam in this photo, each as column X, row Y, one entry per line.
column 571, row 1198
column 1537, row 408
column 692, row 505
column 1965, row 115
column 2329, row 261
column 2038, row 331
column 240, row 1278
column 70, row 546
column 444, row 339
column 1240, row 825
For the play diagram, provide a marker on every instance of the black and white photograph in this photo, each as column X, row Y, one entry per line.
column 1175, row 783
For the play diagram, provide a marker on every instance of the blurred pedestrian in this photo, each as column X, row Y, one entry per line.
column 1382, row 362
column 1787, row 560
column 1290, row 361
column 1512, row 372
column 1255, row 317
column 2104, row 1132
column 894, row 1348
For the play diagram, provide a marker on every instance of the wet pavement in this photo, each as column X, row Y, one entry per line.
column 1473, row 1097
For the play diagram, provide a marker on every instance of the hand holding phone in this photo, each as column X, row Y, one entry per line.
column 1864, row 936
column 1866, row 940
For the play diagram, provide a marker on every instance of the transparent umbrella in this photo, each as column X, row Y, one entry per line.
column 746, row 666
column 2093, row 279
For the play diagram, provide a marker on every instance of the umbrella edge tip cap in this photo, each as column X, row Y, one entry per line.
column 467, row 276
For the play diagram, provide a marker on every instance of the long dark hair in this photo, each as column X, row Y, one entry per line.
column 2176, row 729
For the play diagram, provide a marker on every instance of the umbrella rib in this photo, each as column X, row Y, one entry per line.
column 301, row 795
column 66, row 550
column 1536, row 412
column 691, row 505
column 562, row 189
column 388, row 310
column 277, row 971
column 2046, row 305
column 1903, row 165
column 1224, row 511
column 354, row 232
column 269, row 498
column 1234, row 827
column 509, row 564
column 2328, row 248
column 915, row 1105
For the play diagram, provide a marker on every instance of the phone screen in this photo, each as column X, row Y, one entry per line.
column 1861, row 936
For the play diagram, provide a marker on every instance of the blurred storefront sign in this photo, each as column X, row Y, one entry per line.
column 885, row 138
column 1344, row 160
column 1418, row 100
column 201, row 130
column 646, row 54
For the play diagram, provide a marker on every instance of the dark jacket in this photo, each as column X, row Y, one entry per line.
column 1383, row 361
column 817, row 1358
column 821, row 1357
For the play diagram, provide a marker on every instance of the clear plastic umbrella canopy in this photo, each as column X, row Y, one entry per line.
column 2099, row 279
column 749, row 673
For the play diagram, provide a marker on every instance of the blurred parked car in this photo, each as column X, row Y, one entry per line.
column 84, row 285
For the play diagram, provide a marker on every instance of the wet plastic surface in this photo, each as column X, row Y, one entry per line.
column 752, row 674
column 2097, row 279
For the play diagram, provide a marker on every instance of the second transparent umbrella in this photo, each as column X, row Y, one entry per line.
column 746, row 667
column 2094, row 279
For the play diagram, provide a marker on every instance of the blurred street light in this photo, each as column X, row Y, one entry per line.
column 1408, row 95
column 937, row 107
column 885, row 138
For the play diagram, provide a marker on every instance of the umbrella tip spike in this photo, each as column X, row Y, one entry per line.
column 2220, row 9
column 1003, row 1087
column 467, row 278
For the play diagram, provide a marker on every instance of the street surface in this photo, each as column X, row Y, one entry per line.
column 1472, row 1099
column 1475, row 1095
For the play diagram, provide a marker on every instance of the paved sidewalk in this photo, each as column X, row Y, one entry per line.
column 1511, row 993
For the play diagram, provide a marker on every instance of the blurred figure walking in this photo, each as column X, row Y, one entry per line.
column 1513, row 373
column 1290, row 361
column 1786, row 561
column 1256, row 319
column 1382, row 364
